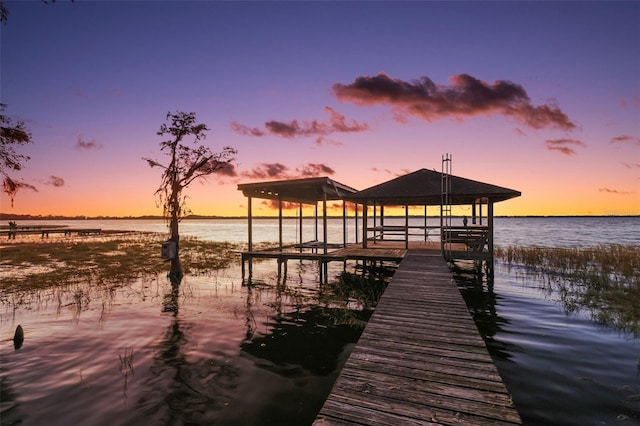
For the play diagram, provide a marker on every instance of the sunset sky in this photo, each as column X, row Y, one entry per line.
column 540, row 97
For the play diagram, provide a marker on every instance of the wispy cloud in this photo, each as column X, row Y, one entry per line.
column 79, row 93
column 615, row 191
column 55, row 181
column 280, row 171
column 391, row 173
column 465, row 96
column 82, row 144
column 336, row 123
column 275, row 204
column 635, row 100
column 564, row 146
column 632, row 165
column 623, row 139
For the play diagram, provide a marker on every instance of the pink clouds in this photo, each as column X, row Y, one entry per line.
column 336, row 123
column 274, row 171
column 82, row 144
column 466, row 96
column 55, row 181
column 564, row 146
column 615, row 191
column 625, row 139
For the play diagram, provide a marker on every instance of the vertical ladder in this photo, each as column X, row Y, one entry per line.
column 445, row 206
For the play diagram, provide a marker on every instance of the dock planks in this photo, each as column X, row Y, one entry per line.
column 420, row 359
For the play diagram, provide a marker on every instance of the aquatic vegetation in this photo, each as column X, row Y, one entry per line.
column 111, row 259
column 604, row 280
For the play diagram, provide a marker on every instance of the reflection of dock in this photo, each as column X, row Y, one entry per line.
column 420, row 359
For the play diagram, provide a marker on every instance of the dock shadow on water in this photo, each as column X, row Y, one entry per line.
column 208, row 349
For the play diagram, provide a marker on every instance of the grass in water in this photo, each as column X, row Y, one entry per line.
column 107, row 259
column 603, row 279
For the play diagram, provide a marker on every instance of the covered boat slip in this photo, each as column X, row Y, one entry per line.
column 470, row 240
column 420, row 358
column 310, row 191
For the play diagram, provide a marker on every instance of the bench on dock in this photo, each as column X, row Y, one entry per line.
column 44, row 232
column 474, row 238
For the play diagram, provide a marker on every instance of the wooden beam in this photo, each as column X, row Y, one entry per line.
column 356, row 221
column 280, row 224
column 406, row 226
column 250, row 221
column 345, row 235
column 375, row 224
column 382, row 220
column 300, row 226
column 324, row 222
column 364, row 225
column 316, row 223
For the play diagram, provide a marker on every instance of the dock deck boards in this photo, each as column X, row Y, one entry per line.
column 420, row 359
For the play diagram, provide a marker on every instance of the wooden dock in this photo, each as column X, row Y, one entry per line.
column 420, row 359
column 44, row 232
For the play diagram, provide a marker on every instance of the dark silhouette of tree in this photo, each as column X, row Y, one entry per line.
column 185, row 164
column 12, row 133
column 4, row 12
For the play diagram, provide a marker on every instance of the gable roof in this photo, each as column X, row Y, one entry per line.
column 307, row 190
column 424, row 187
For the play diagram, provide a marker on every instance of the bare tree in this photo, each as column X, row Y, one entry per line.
column 185, row 164
column 12, row 133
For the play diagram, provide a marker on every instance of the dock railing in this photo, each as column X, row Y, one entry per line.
column 403, row 233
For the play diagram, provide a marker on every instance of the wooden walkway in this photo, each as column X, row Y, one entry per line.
column 420, row 359
column 45, row 232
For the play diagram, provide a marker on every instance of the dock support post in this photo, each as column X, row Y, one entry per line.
column 406, row 226
column 325, row 233
column 382, row 222
column 365, row 233
column 345, row 234
column 280, row 223
column 250, row 222
column 356, row 221
column 489, row 261
column 300, row 226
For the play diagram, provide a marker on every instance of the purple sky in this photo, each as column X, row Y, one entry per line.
column 541, row 97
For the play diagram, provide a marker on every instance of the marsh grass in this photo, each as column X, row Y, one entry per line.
column 604, row 279
column 111, row 259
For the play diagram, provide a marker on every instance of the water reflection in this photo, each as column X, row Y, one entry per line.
column 551, row 358
column 312, row 339
column 287, row 360
column 202, row 350
column 481, row 300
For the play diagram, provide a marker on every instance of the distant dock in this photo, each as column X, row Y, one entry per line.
column 11, row 233
column 420, row 359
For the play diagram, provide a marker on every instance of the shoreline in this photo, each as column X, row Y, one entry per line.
column 5, row 217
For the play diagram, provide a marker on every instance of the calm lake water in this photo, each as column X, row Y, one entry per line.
column 220, row 352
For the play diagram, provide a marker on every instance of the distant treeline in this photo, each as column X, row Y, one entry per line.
column 13, row 217
column 8, row 216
